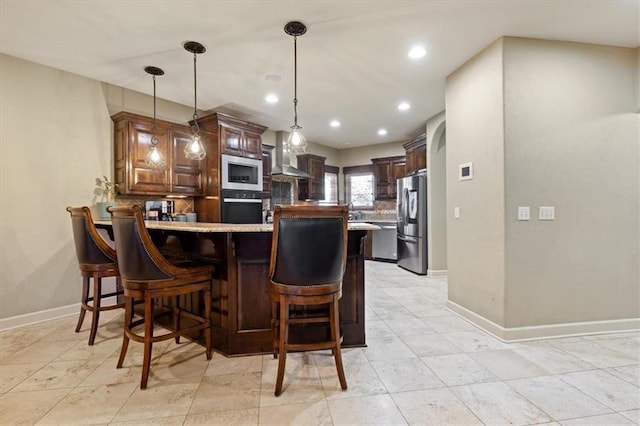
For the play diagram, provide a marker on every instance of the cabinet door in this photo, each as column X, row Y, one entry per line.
column 420, row 157
column 252, row 145
column 231, row 140
column 142, row 178
column 382, row 172
column 186, row 175
column 267, row 152
column 398, row 171
column 317, row 183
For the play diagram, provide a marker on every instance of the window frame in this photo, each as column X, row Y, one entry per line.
column 359, row 170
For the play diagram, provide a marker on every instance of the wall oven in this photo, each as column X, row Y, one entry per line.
column 241, row 206
column 239, row 173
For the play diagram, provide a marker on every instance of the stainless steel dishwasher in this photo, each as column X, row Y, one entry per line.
column 385, row 243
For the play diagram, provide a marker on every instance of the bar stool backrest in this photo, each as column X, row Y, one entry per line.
column 139, row 258
column 90, row 246
column 309, row 245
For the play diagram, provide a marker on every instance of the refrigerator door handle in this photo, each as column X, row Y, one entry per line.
column 407, row 238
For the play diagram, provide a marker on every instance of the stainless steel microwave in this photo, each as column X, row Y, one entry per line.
column 241, row 173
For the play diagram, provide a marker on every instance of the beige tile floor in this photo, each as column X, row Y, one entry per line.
column 423, row 365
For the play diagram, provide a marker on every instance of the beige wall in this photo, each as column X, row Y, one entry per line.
column 437, row 196
column 56, row 139
column 571, row 141
column 545, row 124
column 475, row 241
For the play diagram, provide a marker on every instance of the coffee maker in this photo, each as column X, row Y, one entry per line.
column 159, row 210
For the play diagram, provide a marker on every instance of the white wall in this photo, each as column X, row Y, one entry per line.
column 546, row 124
column 437, row 196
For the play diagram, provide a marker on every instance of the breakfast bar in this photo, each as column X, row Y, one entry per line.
column 241, row 305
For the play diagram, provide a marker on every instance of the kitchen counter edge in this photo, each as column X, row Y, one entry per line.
column 228, row 227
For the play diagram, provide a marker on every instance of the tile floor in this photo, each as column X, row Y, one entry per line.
column 423, row 365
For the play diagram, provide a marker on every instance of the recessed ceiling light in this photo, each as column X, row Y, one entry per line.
column 403, row 106
column 417, row 52
column 382, row 132
column 271, row 98
column 334, row 123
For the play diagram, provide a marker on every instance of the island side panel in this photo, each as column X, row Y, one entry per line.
column 249, row 304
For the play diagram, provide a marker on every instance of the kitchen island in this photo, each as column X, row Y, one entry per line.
column 241, row 304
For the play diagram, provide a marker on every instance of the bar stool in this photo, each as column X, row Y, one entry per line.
column 308, row 260
column 96, row 260
column 148, row 275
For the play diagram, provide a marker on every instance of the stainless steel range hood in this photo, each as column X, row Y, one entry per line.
column 283, row 168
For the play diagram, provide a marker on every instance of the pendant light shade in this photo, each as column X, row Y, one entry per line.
column 195, row 149
column 154, row 158
column 296, row 143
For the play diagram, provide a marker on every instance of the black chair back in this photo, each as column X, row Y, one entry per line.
column 88, row 249
column 310, row 245
column 134, row 245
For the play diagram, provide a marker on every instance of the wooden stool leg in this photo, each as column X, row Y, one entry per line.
column 334, row 318
column 97, row 292
column 284, row 336
column 148, row 335
column 207, row 316
column 176, row 316
column 85, row 297
column 274, row 328
column 128, row 318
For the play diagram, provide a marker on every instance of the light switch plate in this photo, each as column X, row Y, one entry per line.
column 523, row 213
column 546, row 213
column 456, row 212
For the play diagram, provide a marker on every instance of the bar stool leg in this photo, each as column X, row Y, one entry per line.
column 274, row 326
column 284, row 336
column 128, row 318
column 208, row 332
column 85, row 298
column 148, row 336
column 335, row 336
column 176, row 316
column 97, row 292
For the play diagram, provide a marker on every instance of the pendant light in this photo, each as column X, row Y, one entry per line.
column 154, row 158
column 296, row 142
column 195, row 149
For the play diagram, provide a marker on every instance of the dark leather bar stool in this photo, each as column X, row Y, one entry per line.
column 308, row 260
column 148, row 275
column 96, row 260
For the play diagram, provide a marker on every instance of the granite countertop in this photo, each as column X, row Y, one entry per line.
column 228, row 227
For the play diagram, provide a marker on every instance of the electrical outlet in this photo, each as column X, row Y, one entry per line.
column 546, row 213
column 523, row 213
column 456, row 212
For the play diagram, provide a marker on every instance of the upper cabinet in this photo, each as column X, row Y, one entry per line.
column 132, row 140
column 236, row 137
column 386, row 172
column 416, row 154
column 311, row 189
column 267, row 155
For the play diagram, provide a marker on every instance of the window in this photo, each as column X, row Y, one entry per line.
column 330, row 185
column 358, row 185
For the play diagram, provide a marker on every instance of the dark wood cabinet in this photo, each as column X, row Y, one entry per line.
column 313, row 188
column 386, row 172
column 224, row 135
column 239, row 138
column 267, row 161
column 132, row 140
column 416, row 154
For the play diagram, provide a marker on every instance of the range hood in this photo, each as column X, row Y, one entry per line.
column 283, row 168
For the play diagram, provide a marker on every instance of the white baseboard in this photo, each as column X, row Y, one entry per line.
column 437, row 273
column 46, row 315
column 517, row 334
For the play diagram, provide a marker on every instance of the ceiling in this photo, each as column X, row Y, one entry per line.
column 352, row 62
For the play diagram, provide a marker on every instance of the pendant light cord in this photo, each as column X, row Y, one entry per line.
column 195, row 96
column 154, row 139
column 295, row 81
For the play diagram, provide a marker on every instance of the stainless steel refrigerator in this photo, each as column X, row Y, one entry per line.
column 412, row 223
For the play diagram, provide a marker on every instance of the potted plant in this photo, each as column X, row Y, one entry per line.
column 106, row 190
